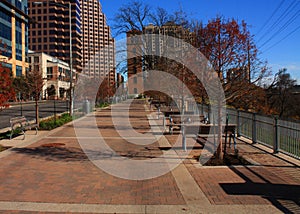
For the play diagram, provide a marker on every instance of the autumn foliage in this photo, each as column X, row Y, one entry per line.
column 6, row 89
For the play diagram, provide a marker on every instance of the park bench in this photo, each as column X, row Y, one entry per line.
column 21, row 124
column 207, row 130
column 176, row 120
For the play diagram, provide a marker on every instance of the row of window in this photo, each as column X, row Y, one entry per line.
column 5, row 31
column 5, row 15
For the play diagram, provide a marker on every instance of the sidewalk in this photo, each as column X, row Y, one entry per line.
column 50, row 173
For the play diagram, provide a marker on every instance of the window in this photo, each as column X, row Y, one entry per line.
column 36, row 68
column 49, row 73
column 36, row 59
column 18, row 71
column 5, row 31
column 135, row 80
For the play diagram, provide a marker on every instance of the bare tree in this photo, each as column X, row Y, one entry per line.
column 280, row 94
column 35, row 84
column 132, row 16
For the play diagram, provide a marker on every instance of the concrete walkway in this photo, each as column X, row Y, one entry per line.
column 50, row 173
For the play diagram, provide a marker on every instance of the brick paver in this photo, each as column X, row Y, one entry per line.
column 56, row 170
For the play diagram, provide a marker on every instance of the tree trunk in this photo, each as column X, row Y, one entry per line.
column 219, row 153
column 37, row 119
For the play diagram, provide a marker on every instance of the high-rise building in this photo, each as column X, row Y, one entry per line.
column 50, row 32
column 13, row 36
column 92, row 44
column 134, row 63
column 156, row 41
column 98, row 44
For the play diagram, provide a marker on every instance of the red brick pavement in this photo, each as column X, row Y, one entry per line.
column 63, row 174
column 60, row 174
column 275, row 181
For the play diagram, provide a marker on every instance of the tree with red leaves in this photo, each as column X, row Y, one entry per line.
column 106, row 90
column 231, row 51
column 6, row 88
column 6, row 85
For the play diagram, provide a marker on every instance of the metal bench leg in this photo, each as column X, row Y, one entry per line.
column 234, row 144
column 183, row 139
column 171, row 129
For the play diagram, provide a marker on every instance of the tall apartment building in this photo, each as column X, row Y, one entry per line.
column 98, row 44
column 134, row 63
column 156, row 44
column 13, row 36
column 50, row 33
column 92, row 44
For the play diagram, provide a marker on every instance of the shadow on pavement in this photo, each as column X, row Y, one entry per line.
column 285, row 197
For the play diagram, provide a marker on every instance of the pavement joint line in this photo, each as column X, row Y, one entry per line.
column 115, row 208
column 189, row 189
column 184, row 181
column 108, row 138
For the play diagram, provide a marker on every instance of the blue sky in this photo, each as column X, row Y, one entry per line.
column 256, row 13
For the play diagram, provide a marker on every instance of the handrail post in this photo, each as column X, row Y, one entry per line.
column 276, row 136
column 254, row 137
column 238, row 124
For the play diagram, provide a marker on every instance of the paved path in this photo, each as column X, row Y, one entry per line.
column 51, row 173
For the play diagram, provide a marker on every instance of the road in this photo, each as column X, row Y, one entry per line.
column 46, row 108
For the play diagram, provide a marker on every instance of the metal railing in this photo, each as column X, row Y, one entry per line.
column 280, row 135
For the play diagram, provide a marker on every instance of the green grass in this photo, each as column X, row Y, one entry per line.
column 6, row 135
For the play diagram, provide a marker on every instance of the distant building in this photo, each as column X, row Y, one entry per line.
column 93, row 48
column 121, row 85
column 55, row 72
column 13, row 36
column 50, row 32
column 98, row 45
column 120, row 79
column 237, row 74
column 136, row 65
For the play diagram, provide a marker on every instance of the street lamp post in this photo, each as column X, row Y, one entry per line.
column 71, row 61
column 71, row 58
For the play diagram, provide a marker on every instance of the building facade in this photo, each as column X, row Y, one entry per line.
column 13, row 36
column 157, row 40
column 98, row 45
column 55, row 72
column 135, row 81
column 50, row 33
column 93, row 50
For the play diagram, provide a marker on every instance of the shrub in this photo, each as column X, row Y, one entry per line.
column 54, row 123
column 102, row 105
